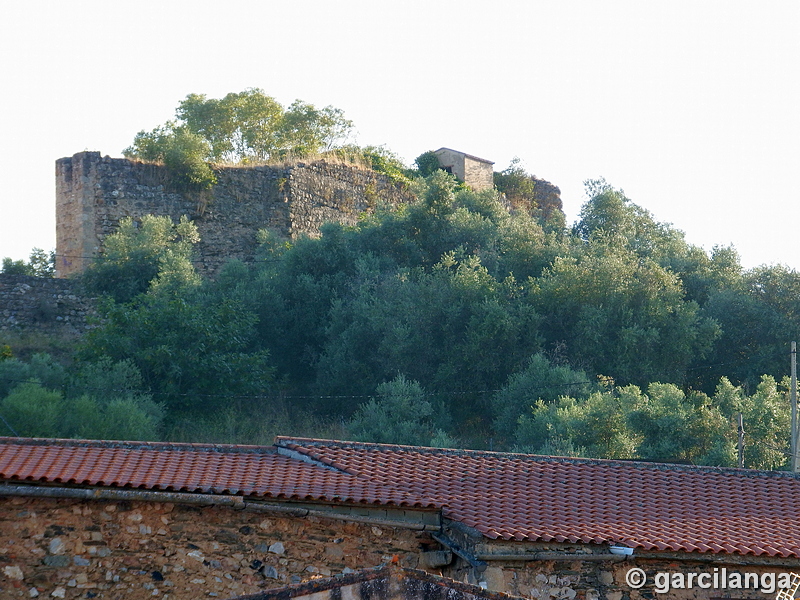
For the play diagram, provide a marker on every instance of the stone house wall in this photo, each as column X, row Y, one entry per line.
column 476, row 172
column 93, row 193
column 70, row 548
column 66, row 548
column 387, row 582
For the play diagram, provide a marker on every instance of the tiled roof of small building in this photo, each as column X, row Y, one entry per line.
column 504, row 496
column 650, row 506
column 199, row 468
column 477, row 158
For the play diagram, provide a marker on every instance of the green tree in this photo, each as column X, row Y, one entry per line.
column 677, row 427
column 766, row 418
column 41, row 368
column 594, row 426
column 621, row 314
column 154, row 253
column 242, row 127
column 521, row 191
column 182, row 151
column 33, row 411
column 194, row 352
column 539, row 380
column 427, row 163
column 399, row 414
column 40, row 264
column 758, row 314
column 662, row 425
column 435, row 326
column 515, row 182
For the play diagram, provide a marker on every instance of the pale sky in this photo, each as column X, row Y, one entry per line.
column 691, row 107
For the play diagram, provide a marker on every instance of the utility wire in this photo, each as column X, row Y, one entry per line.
column 277, row 396
column 9, row 426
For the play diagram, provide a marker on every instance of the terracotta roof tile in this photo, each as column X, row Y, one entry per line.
column 242, row 470
column 650, row 506
column 508, row 496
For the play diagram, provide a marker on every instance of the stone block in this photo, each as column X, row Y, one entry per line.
column 57, row 561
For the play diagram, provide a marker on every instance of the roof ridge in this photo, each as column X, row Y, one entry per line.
column 300, row 443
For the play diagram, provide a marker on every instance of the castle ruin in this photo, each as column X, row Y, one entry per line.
column 94, row 192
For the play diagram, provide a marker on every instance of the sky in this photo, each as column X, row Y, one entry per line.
column 691, row 107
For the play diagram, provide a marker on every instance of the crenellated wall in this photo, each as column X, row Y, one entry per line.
column 94, row 192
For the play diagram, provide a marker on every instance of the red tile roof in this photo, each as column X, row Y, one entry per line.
column 643, row 505
column 210, row 469
column 507, row 496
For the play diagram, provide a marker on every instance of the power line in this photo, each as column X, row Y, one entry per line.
column 279, row 396
column 9, row 426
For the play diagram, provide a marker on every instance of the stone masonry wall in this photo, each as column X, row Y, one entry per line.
column 43, row 304
column 61, row 548
column 71, row 549
column 387, row 582
column 93, row 193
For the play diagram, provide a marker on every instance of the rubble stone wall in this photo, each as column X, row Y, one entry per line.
column 63, row 548
column 588, row 580
column 93, row 193
column 43, row 304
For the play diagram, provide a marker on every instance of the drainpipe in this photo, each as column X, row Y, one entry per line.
column 532, row 556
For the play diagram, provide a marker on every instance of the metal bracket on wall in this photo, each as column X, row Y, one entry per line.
column 478, row 565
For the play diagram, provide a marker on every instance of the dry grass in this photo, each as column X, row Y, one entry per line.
column 25, row 343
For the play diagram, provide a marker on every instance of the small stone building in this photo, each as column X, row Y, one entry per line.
column 136, row 520
column 477, row 173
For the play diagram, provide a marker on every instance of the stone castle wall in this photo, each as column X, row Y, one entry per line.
column 93, row 193
column 44, row 304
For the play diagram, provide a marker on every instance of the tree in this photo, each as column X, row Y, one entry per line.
column 194, row 351
column 182, row 151
column 758, row 314
column 621, row 315
column 766, row 419
column 521, row 191
column 154, row 253
column 664, row 425
column 242, row 127
column 399, row 414
column 40, row 264
column 540, row 380
column 594, row 426
column 41, row 368
column 427, row 163
column 677, row 427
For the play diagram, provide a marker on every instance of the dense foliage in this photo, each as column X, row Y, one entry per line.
column 451, row 321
